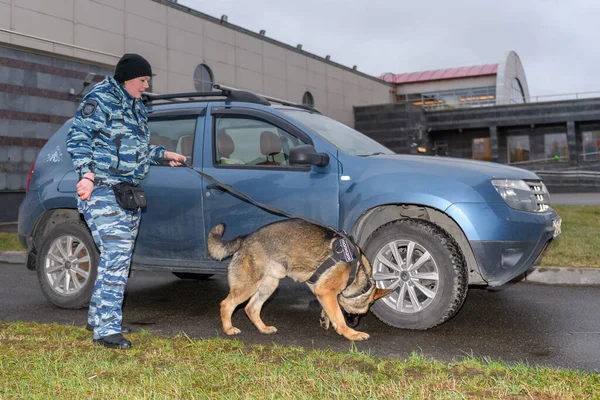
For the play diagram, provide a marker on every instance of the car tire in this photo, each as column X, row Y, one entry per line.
column 429, row 287
column 191, row 275
column 67, row 265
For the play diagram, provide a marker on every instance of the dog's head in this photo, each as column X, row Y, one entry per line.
column 356, row 299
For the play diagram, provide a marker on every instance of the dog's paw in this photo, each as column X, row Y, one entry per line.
column 324, row 321
column 232, row 331
column 356, row 335
column 269, row 330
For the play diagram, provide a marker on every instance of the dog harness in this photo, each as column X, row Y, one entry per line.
column 344, row 250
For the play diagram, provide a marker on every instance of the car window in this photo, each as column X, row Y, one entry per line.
column 343, row 137
column 243, row 140
column 174, row 134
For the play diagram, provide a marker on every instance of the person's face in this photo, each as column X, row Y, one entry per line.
column 135, row 87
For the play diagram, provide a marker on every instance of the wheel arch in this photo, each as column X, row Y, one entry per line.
column 44, row 225
column 372, row 219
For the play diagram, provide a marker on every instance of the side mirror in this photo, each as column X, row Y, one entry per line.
column 305, row 154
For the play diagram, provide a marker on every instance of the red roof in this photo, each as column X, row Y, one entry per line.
column 442, row 74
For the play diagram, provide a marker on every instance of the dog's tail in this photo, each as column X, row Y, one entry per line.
column 219, row 248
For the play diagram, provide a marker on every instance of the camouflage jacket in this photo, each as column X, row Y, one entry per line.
column 110, row 135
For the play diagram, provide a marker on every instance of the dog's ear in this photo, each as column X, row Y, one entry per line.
column 381, row 293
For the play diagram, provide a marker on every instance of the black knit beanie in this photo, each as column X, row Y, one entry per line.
column 132, row 66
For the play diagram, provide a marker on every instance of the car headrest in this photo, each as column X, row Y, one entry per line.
column 164, row 141
column 185, row 145
column 225, row 144
column 270, row 144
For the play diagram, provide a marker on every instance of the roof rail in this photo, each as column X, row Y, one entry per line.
column 269, row 98
column 227, row 93
column 150, row 97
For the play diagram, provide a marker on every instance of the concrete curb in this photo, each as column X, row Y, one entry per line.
column 547, row 275
column 12, row 257
column 564, row 276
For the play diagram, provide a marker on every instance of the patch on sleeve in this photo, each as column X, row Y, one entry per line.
column 88, row 108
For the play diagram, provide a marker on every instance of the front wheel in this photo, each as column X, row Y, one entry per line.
column 424, row 267
column 67, row 265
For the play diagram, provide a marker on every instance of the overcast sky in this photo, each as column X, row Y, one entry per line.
column 555, row 39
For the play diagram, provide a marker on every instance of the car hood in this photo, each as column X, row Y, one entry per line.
column 454, row 168
column 434, row 181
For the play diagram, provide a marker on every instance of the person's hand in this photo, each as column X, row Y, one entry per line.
column 85, row 186
column 176, row 158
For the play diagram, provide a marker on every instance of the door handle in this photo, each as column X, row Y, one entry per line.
column 214, row 186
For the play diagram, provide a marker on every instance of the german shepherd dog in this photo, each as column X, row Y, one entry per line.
column 292, row 248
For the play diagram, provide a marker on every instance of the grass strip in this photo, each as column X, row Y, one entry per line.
column 10, row 242
column 40, row 361
column 579, row 244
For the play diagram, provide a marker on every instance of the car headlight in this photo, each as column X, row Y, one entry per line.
column 517, row 194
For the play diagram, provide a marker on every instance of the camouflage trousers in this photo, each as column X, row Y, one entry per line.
column 114, row 230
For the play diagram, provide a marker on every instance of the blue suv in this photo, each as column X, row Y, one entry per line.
column 431, row 226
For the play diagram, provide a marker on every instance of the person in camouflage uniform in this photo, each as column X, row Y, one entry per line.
column 109, row 143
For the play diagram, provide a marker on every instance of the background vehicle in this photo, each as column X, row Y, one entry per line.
column 430, row 225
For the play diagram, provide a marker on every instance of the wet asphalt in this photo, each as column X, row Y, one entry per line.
column 519, row 322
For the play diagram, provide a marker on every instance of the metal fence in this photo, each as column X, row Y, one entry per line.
column 582, row 180
column 564, row 96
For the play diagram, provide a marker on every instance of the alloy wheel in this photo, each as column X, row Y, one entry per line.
column 67, row 265
column 411, row 271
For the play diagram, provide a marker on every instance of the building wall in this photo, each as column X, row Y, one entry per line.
column 34, row 103
column 457, row 128
column 176, row 39
column 456, row 143
column 400, row 127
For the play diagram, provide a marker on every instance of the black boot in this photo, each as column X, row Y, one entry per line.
column 116, row 341
column 124, row 330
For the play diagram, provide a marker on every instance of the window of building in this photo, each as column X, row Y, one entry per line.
column 591, row 145
column 482, row 149
column 448, row 99
column 308, row 99
column 516, row 93
column 477, row 97
column 440, row 148
column 203, row 78
column 555, row 146
column 518, row 148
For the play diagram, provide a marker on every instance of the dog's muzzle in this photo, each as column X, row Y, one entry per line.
column 352, row 320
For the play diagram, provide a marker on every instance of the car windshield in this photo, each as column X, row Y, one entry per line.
column 341, row 136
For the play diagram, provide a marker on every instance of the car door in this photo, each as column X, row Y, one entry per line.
column 248, row 149
column 171, row 228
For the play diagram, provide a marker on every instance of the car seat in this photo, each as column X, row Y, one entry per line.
column 226, row 147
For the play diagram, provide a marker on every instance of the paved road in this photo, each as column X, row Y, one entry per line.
column 542, row 325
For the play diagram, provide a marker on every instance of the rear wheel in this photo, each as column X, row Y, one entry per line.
column 67, row 265
column 424, row 267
